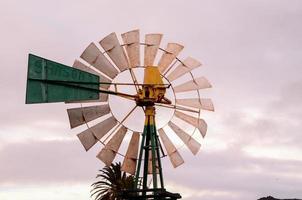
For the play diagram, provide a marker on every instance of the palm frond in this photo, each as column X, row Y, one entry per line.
column 113, row 180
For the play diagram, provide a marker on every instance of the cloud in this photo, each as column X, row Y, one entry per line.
column 46, row 162
column 290, row 100
column 230, row 171
column 250, row 50
column 277, row 121
column 237, row 173
column 58, row 191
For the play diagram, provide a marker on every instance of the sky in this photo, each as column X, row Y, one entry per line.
column 251, row 53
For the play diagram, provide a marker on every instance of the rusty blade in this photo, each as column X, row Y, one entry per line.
column 129, row 163
column 172, row 152
column 176, row 159
column 115, row 142
column 196, row 122
column 108, row 153
column 115, row 51
column 87, row 139
column 79, row 116
column 133, row 146
column 152, row 42
column 132, row 45
column 100, row 129
column 172, row 50
column 202, row 103
column 103, row 97
column 150, row 171
column 94, row 56
column 90, row 136
column 196, row 84
column 190, row 142
column 81, row 66
column 186, row 66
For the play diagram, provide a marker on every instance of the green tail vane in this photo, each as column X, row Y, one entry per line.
column 49, row 81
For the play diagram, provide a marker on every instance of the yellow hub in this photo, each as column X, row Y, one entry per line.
column 153, row 90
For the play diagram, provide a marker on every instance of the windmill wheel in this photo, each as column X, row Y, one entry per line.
column 111, row 119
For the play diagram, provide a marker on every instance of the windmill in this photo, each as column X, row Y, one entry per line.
column 90, row 83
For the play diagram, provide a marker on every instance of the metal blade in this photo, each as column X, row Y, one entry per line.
column 103, row 97
column 196, row 84
column 196, row 122
column 78, row 116
column 167, row 58
column 131, row 41
column 172, row 152
column 94, row 56
column 108, row 153
column 100, row 129
column 190, row 142
column 90, row 136
column 152, row 42
column 129, row 163
column 81, row 66
column 186, row 66
column 115, row 51
column 202, row 103
column 87, row 139
column 150, row 164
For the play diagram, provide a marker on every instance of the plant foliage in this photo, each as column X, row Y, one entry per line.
column 113, row 180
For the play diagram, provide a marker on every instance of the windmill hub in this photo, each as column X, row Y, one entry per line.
column 153, row 90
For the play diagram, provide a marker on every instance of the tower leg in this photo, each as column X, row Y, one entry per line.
column 149, row 152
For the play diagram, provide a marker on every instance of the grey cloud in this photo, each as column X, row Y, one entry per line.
column 279, row 120
column 290, row 100
column 47, row 162
column 250, row 50
column 237, row 173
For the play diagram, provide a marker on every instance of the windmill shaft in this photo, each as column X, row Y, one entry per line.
column 150, row 151
column 74, row 84
column 153, row 150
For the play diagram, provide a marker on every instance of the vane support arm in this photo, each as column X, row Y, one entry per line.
column 176, row 107
column 86, row 87
column 71, row 84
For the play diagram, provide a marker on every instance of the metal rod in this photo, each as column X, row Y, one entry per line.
column 161, row 177
column 65, row 83
column 146, row 160
column 140, row 158
column 98, row 83
column 161, row 147
column 171, row 66
column 121, row 122
column 134, row 80
column 153, row 149
column 176, row 107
